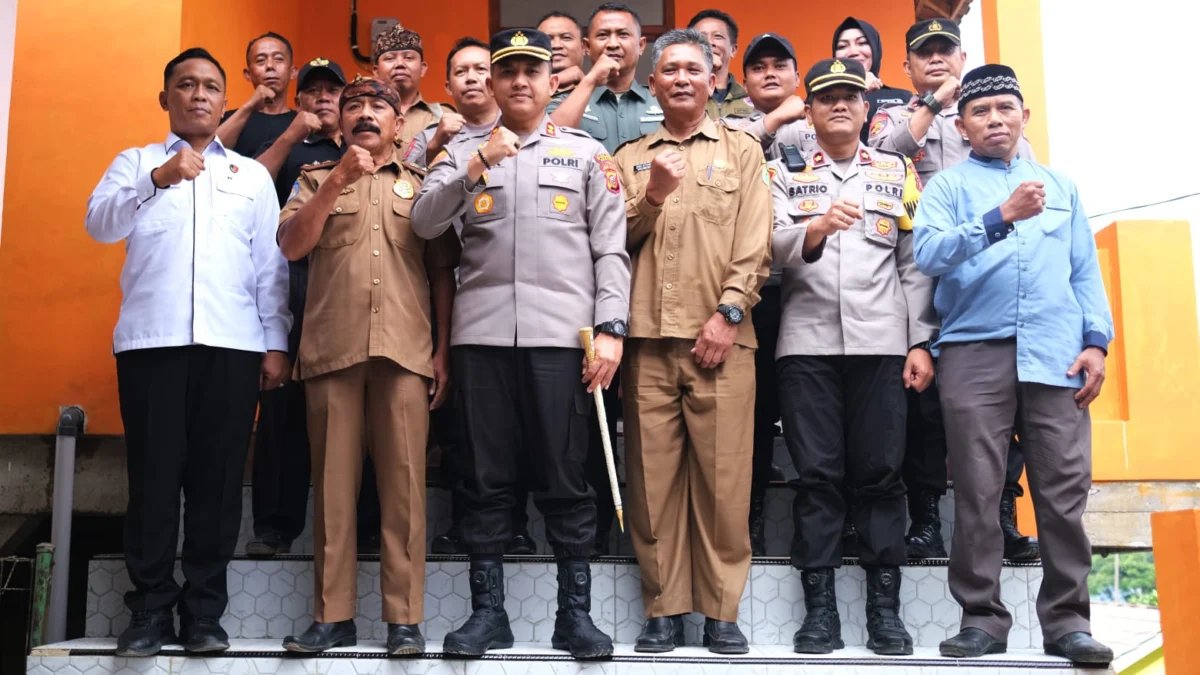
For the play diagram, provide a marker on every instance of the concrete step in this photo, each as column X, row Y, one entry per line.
column 95, row 657
column 273, row 599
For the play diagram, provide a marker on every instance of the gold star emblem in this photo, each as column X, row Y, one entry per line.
column 934, row 26
column 318, row 62
column 519, row 40
column 837, row 68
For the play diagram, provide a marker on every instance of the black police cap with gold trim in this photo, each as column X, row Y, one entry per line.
column 830, row 72
column 520, row 42
column 922, row 31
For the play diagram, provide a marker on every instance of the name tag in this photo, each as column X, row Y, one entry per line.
column 591, row 117
column 652, row 119
column 638, row 168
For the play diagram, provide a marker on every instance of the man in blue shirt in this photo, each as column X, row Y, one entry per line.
column 1025, row 326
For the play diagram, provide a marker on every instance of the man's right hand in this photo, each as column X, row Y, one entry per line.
column 262, row 97
column 501, row 144
column 844, row 213
column 569, row 77
column 947, row 94
column 304, row 125
column 356, row 163
column 792, row 109
column 183, row 165
column 1027, row 201
column 450, row 124
column 666, row 171
column 604, row 70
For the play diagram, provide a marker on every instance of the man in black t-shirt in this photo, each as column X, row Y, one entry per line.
column 266, row 115
column 281, row 450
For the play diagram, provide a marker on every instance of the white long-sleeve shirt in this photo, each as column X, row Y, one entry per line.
column 201, row 262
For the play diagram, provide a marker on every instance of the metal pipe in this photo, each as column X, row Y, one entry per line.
column 41, row 594
column 70, row 427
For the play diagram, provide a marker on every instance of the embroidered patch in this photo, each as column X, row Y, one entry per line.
column 884, row 226
column 611, row 180
column 484, row 203
column 561, row 152
column 879, row 124
column 295, row 190
column 885, row 164
column 561, row 203
column 808, row 205
column 403, row 189
column 806, row 177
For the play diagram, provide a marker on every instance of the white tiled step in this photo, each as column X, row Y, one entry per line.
column 273, row 599
column 94, row 657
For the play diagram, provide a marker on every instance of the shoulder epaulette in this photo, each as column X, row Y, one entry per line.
column 415, row 168
column 320, row 165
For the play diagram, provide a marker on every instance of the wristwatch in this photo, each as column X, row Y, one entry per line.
column 931, row 102
column 920, row 345
column 615, row 328
column 732, row 313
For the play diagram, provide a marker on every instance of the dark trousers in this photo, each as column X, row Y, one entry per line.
column 188, row 413
column 766, row 396
column 984, row 402
column 843, row 420
column 282, row 463
column 524, row 414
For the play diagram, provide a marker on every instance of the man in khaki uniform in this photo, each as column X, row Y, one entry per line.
column 857, row 319
column 544, row 255
column 699, row 216
column 400, row 60
column 367, row 348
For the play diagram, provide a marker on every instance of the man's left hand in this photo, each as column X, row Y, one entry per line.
column 716, row 337
column 439, row 388
column 276, row 371
column 1091, row 362
column 918, row 369
column 600, row 372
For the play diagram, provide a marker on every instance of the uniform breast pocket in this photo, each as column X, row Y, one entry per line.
column 560, row 193
column 343, row 227
column 1055, row 221
column 235, row 206
column 804, row 208
column 882, row 208
column 486, row 206
column 398, row 225
column 717, row 202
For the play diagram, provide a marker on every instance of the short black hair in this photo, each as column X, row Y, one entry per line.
column 561, row 15
column 187, row 55
column 615, row 7
column 719, row 16
column 274, row 36
column 462, row 44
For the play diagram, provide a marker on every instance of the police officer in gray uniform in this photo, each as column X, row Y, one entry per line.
column 543, row 255
column 771, row 79
column 923, row 130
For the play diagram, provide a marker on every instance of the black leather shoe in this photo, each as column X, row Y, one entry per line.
column 1016, row 545
column 972, row 643
column 1081, row 648
column 405, row 640
column 269, row 545
column 205, row 635
column 660, row 634
column 522, row 544
column 723, row 637
column 322, row 636
column 146, row 633
column 446, row 544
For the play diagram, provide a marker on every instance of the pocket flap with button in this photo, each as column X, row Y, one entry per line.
column 559, row 192
column 717, row 195
column 808, row 207
column 343, row 227
column 398, row 225
column 885, row 204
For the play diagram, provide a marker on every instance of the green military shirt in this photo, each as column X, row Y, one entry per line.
column 612, row 121
column 737, row 103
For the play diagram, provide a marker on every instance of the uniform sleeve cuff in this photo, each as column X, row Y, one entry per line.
column 994, row 225
column 647, row 209
column 277, row 341
column 815, row 254
column 146, row 189
column 1096, row 339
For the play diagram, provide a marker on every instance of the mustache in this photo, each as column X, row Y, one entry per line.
column 365, row 126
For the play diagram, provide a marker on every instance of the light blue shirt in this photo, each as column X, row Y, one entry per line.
column 1037, row 280
column 201, row 262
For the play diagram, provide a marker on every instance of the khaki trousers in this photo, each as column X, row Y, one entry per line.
column 688, row 446
column 396, row 402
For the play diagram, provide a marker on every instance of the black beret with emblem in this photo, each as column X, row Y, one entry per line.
column 993, row 79
column 320, row 66
column 922, row 31
column 520, row 42
column 830, row 72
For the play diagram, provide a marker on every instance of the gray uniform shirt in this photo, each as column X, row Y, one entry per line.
column 416, row 154
column 861, row 292
column 543, row 239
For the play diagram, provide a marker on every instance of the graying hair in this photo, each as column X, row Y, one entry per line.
column 681, row 36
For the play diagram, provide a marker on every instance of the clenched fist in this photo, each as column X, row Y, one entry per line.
column 356, row 163
column 304, row 125
column 183, row 165
column 1027, row 201
column 262, row 97
column 841, row 216
column 667, row 169
column 450, row 124
column 604, row 70
column 501, row 144
column 947, row 94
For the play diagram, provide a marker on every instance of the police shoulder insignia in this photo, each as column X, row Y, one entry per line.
column 864, row 156
column 551, row 130
column 879, row 123
column 818, row 159
column 415, row 168
column 609, row 167
column 767, row 174
column 295, row 190
column 771, row 172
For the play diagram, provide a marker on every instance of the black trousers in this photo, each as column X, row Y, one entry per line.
column 766, row 397
column 524, row 413
column 188, row 413
column 844, row 422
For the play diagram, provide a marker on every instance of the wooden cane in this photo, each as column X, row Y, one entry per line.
column 585, row 336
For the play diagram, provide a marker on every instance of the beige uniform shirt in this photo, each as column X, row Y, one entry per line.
column 861, row 294
column 543, row 238
column 941, row 147
column 708, row 244
column 420, row 116
column 368, row 281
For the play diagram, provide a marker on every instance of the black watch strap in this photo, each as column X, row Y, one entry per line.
column 920, row 345
column 615, row 328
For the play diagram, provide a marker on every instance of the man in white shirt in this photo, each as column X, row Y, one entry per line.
column 203, row 326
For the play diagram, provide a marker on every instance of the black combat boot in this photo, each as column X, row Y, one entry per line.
column 146, row 633
column 573, row 627
column 924, row 538
column 758, row 521
column 821, row 632
column 886, row 634
column 1016, row 545
column 487, row 627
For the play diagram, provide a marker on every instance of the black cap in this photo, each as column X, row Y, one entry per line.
column 520, row 42
column 931, row 28
column 767, row 41
column 829, row 72
column 320, row 65
column 993, row 79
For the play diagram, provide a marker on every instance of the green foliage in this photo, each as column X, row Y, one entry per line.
column 1137, row 581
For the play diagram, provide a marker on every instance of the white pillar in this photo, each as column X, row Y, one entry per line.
column 8, row 35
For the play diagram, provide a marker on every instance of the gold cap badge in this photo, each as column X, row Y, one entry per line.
column 837, row 68
column 519, row 40
column 318, row 62
column 934, row 26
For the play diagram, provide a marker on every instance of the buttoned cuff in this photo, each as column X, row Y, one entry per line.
column 815, row 255
column 645, row 208
column 996, row 228
column 276, row 340
column 735, row 297
column 146, row 190
column 1096, row 339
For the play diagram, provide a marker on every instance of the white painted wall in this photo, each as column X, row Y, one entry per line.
column 8, row 34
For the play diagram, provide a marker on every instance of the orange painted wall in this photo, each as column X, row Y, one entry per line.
column 69, row 118
column 224, row 27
